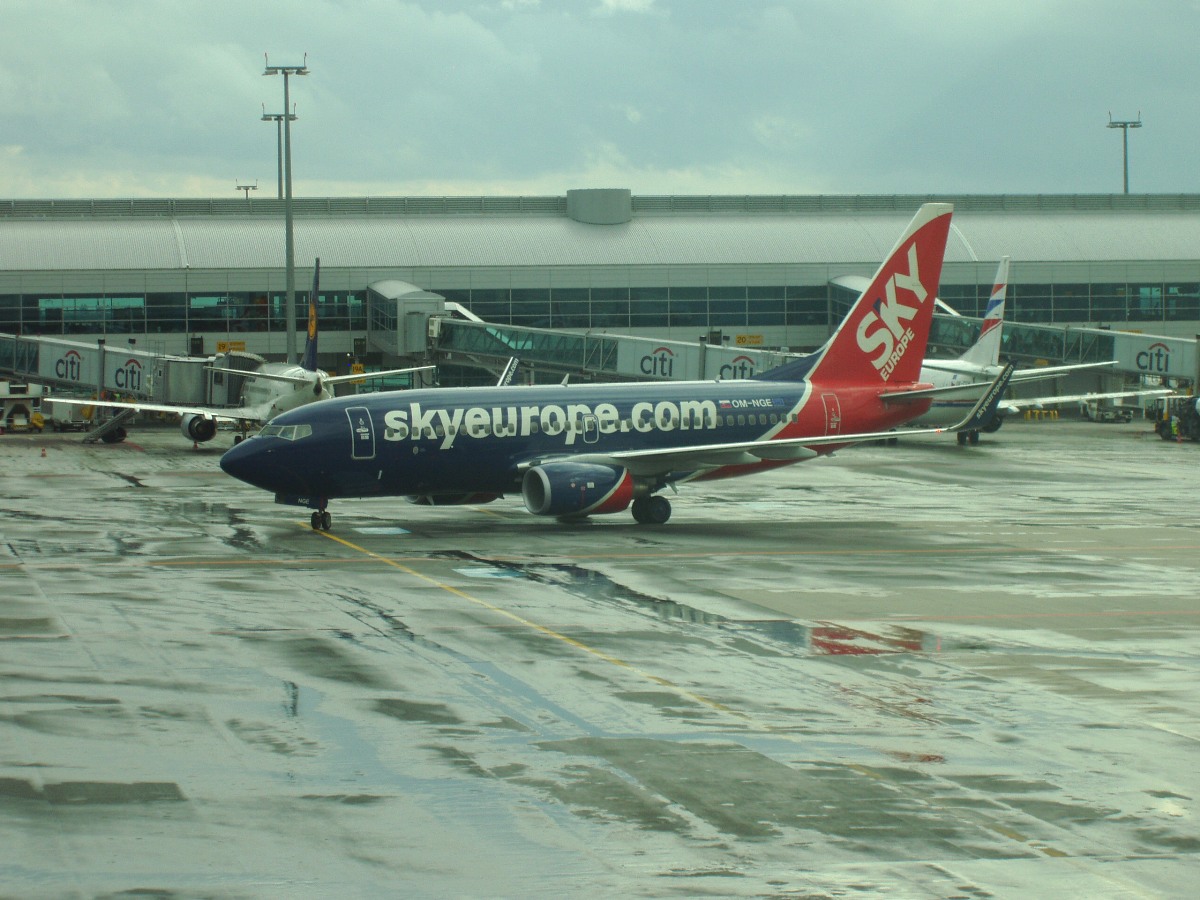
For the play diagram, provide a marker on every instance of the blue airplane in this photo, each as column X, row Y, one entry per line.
column 579, row 450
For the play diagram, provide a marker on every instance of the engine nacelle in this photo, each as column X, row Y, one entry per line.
column 576, row 489
column 197, row 427
column 451, row 499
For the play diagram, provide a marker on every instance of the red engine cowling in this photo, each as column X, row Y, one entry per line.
column 576, row 489
column 197, row 427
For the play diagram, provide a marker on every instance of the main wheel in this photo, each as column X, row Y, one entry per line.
column 654, row 510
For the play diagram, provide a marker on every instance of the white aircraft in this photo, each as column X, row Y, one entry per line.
column 271, row 389
column 958, row 383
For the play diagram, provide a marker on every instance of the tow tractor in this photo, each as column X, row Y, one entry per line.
column 1177, row 418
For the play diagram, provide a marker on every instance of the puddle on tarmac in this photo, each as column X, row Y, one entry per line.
column 410, row 711
column 822, row 638
column 78, row 793
column 320, row 658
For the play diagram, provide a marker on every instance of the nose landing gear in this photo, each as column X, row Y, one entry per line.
column 321, row 519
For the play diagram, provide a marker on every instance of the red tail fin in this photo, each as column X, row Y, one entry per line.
column 883, row 338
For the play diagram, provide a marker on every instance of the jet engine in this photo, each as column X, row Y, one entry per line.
column 197, row 427
column 576, row 489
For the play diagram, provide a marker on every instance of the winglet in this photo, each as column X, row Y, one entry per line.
column 985, row 410
column 510, row 371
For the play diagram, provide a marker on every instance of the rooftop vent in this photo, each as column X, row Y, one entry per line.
column 600, row 206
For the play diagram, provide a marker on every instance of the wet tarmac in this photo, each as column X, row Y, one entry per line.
column 909, row 671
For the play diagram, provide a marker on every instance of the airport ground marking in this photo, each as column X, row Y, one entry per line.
column 541, row 629
column 990, row 552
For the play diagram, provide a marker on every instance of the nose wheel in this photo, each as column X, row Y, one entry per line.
column 321, row 520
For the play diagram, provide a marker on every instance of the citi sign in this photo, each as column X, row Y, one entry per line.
column 659, row 362
column 129, row 376
column 1155, row 358
column 740, row 367
column 69, row 366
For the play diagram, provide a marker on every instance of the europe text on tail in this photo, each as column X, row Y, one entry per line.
column 580, row 450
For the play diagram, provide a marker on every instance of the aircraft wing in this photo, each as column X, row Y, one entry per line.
column 973, row 388
column 1037, row 374
column 211, row 412
column 1024, row 402
column 711, row 456
column 269, row 376
column 1020, row 375
column 361, row 376
column 328, row 379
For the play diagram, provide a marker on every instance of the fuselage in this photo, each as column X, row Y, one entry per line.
column 269, row 397
column 456, row 440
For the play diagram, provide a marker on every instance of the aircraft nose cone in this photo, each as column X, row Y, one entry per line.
column 264, row 463
column 249, row 463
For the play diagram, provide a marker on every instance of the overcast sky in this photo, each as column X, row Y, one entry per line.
column 163, row 98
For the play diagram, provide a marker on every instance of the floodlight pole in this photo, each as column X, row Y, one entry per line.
column 1125, row 126
column 246, row 188
column 289, row 240
column 278, row 118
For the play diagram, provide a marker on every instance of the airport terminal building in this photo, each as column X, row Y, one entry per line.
column 187, row 275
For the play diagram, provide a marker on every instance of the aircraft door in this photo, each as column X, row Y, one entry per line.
column 362, row 433
column 833, row 414
column 591, row 429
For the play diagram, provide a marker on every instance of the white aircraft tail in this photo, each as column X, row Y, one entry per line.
column 986, row 350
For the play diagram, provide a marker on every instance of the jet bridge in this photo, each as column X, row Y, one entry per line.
column 101, row 368
column 620, row 357
column 1136, row 353
column 608, row 357
column 410, row 324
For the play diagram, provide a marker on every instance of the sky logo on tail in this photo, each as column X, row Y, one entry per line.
column 885, row 328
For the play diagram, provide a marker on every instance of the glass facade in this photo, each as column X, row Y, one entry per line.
column 168, row 313
column 601, row 308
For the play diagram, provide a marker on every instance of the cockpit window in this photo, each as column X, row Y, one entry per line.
column 286, row 432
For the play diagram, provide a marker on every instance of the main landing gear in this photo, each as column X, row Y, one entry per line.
column 321, row 520
column 652, row 510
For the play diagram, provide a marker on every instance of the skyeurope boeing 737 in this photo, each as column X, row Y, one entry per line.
column 579, row 450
